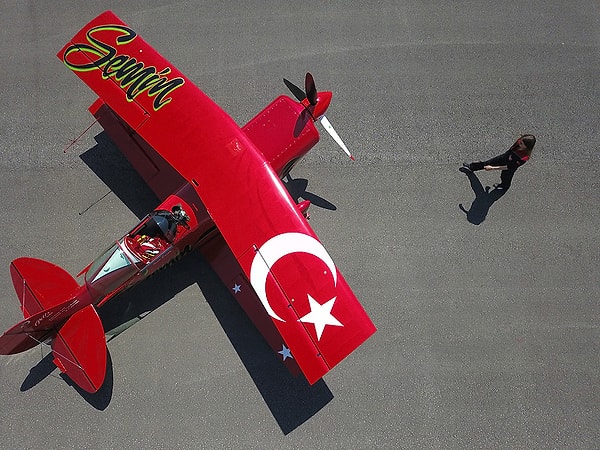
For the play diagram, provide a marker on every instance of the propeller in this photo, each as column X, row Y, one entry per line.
column 298, row 93
column 311, row 90
column 316, row 104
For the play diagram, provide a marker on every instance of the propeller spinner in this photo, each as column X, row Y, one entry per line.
column 316, row 103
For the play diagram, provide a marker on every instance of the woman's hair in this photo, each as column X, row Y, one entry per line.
column 528, row 140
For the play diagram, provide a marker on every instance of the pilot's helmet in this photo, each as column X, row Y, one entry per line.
column 162, row 223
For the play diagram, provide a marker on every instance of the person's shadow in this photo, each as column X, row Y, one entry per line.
column 484, row 199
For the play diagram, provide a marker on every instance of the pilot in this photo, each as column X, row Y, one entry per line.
column 160, row 230
column 179, row 216
column 169, row 221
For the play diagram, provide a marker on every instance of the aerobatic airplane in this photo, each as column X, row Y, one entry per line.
column 221, row 193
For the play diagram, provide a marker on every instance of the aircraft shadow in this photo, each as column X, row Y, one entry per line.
column 291, row 400
column 484, row 199
column 45, row 367
column 297, row 189
column 111, row 166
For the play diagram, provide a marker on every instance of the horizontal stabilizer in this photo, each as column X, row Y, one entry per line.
column 40, row 285
column 79, row 349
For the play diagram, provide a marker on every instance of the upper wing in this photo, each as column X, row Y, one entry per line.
column 295, row 279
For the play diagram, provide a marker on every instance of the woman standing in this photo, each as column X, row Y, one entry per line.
column 508, row 162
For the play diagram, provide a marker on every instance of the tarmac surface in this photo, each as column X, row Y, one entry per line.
column 487, row 308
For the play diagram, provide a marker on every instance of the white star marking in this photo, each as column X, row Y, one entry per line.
column 320, row 315
column 236, row 288
column 285, row 352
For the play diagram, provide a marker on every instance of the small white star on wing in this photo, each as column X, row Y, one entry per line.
column 320, row 315
column 285, row 352
column 236, row 288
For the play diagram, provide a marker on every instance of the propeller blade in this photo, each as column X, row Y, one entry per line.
column 298, row 93
column 311, row 90
column 336, row 137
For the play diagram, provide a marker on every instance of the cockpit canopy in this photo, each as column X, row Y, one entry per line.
column 153, row 236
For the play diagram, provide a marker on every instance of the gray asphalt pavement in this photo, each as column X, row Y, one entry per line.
column 487, row 311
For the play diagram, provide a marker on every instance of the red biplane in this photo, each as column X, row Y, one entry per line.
column 221, row 192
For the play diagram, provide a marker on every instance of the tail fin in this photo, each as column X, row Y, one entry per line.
column 76, row 331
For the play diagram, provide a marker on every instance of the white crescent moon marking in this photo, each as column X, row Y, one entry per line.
column 276, row 248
